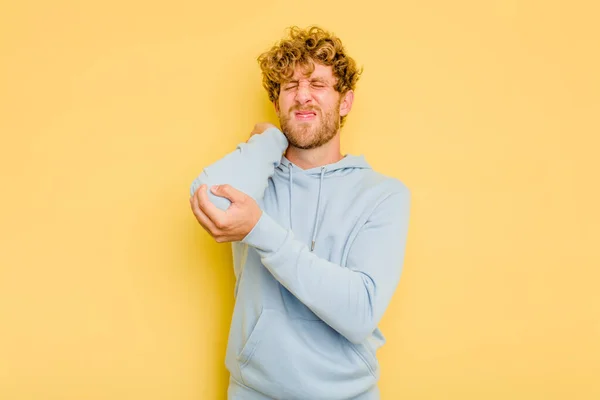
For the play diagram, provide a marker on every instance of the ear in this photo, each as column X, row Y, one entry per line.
column 346, row 103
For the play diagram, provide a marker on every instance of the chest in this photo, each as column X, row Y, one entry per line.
column 329, row 216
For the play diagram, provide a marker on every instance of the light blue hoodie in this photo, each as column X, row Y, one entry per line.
column 315, row 275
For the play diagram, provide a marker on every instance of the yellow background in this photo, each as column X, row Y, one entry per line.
column 487, row 110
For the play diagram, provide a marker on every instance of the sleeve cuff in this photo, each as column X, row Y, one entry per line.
column 278, row 138
column 267, row 235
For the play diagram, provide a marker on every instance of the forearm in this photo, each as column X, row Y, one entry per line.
column 350, row 299
column 342, row 298
column 247, row 169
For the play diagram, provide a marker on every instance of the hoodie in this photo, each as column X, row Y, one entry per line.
column 315, row 274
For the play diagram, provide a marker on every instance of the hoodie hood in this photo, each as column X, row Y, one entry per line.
column 345, row 166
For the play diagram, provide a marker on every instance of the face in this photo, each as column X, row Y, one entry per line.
column 309, row 108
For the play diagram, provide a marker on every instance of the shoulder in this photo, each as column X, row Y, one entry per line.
column 384, row 185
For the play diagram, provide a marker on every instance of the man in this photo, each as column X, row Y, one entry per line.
column 318, row 238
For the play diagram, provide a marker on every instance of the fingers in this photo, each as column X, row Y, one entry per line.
column 229, row 192
column 208, row 225
column 216, row 215
column 261, row 127
column 201, row 216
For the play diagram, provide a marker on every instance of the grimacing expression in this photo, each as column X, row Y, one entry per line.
column 309, row 108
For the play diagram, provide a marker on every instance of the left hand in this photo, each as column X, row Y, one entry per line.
column 231, row 225
column 260, row 128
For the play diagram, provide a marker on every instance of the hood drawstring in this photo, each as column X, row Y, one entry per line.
column 314, row 238
column 291, row 184
column 291, row 181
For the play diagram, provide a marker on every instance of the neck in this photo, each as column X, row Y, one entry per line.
column 329, row 153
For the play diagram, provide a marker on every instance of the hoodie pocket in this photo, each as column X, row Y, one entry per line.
column 254, row 339
column 299, row 359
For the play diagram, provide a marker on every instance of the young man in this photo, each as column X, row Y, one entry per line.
column 318, row 238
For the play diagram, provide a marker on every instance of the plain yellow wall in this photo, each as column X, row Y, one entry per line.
column 487, row 110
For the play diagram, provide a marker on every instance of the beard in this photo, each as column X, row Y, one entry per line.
column 310, row 134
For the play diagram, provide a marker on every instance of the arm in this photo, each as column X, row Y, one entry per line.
column 351, row 300
column 247, row 169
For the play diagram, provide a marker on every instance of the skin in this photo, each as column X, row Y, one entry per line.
column 231, row 225
column 309, row 110
column 316, row 142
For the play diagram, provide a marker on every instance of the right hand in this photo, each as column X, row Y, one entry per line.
column 260, row 128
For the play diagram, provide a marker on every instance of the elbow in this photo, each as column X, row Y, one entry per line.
column 363, row 321
column 221, row 203
column 193, row 188
column 199, row 181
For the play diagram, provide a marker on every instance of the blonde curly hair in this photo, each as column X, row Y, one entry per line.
column 304, row 47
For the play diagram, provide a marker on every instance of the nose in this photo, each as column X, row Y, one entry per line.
column 303, row 94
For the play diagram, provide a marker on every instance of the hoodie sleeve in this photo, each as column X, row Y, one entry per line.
column 350, row 299
column 247, row 169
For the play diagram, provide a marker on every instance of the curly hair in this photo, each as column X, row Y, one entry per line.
column 304, row 47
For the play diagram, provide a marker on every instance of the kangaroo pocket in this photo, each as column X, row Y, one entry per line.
column 298, row 359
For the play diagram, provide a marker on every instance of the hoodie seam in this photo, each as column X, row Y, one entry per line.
column 363, row 358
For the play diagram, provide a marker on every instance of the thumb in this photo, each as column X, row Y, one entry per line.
column 227, row 191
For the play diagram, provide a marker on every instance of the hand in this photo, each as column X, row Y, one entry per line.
column 261, row 127
column 231, row 225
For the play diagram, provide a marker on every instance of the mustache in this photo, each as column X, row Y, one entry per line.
column 300, row 109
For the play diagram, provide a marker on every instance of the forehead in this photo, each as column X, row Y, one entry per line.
column 320, row 72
